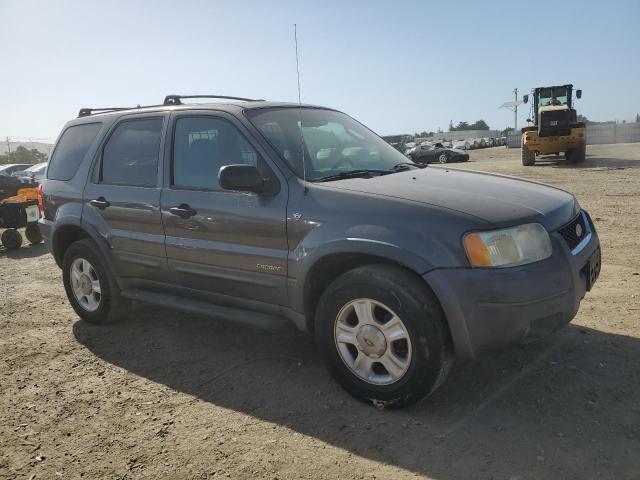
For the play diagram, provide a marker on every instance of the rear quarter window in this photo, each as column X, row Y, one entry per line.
column 71, row 150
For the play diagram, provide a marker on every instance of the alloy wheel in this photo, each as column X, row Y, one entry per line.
column 85, row 284
column 372, row 341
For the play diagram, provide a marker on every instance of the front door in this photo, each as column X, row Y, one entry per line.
column 222, row 242
column 122, row 199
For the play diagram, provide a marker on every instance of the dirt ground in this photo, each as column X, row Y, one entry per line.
column 169, row 395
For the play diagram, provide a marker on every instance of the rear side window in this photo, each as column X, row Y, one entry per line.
column 71, row 149
column 130, row 156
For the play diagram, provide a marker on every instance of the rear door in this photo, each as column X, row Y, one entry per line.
column 122, row 198
column 222, row 242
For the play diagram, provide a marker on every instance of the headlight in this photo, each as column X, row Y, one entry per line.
column 508, row 247
column 576, row 207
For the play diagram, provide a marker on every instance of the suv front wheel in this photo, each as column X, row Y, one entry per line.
column 92, row 292
column 383, row 335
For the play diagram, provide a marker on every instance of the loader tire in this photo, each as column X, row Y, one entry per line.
column 528, row 157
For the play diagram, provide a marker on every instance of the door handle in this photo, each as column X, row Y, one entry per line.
column 183, row 211
column 100, row 203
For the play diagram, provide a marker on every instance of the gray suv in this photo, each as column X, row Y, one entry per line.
column 259, row 212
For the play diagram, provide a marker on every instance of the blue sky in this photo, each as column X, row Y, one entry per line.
column 397, row 66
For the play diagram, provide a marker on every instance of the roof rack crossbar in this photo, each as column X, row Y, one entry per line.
column 177, row 99
column 85, row 112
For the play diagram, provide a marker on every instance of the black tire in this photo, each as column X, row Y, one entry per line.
column 412, row 301
column 579, row 154
column 33, row 234
column 528, row 156
column 568, row 155
column 11, row 239
column 443, row 158
column 111, row 305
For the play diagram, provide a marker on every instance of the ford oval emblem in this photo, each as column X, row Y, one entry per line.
column 578, row 230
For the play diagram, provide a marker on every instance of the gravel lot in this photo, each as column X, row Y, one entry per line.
column 169, row 395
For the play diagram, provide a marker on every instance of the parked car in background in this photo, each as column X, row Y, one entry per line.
column 400, row 146
column 461, row 145
column 9, row 168
column 32, row 174
column 436, row 153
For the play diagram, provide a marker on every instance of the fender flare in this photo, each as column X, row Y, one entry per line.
column 356, row 246
column 103, row 246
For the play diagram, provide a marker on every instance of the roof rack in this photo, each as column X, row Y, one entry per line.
column 85, row 112
column 177, row 99
column 168, row 100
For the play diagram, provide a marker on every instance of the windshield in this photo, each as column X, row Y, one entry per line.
column 330, row 142
column 553, row 96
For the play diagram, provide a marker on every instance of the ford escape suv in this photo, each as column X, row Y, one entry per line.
column 260, row 212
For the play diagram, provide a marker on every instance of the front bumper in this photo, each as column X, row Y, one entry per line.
column 493, row 309
column 554, row 144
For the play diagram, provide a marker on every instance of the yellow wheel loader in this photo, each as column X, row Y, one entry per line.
column 555, row 127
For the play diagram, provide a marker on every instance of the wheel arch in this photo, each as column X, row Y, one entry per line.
column 326, row 268
column 66, row 234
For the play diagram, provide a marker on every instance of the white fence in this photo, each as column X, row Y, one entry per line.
column 613, row 133
column 596, row 134
column 513, row 139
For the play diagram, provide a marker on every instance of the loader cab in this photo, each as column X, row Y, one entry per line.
column 553, row 111
column 552, row 97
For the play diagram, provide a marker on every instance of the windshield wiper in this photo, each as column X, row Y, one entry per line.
column 406, row 165
column 364, row 172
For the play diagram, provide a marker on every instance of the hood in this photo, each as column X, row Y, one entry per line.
column 499, row 200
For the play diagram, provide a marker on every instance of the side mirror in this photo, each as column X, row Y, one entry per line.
column 578, row 93
column 242, row 178
column 528, row 120
column 525, row 98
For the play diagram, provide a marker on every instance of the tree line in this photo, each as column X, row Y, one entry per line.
column 23, row 155
column 462, row 126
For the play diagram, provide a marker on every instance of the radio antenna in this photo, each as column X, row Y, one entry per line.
column 302, row 147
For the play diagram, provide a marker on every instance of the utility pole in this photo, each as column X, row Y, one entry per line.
column 513, row 106
column 515, row 111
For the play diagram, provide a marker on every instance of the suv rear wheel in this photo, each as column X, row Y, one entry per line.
column 383, row 335
column 91, row 290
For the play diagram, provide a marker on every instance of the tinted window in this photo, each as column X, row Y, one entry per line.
column 203, row 145
column 130, row 157
column 71, row 149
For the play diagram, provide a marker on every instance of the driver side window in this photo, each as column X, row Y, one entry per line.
column 202, row 146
